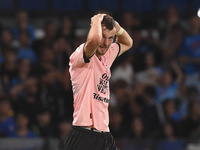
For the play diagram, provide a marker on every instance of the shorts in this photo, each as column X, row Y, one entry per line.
column 80, row 138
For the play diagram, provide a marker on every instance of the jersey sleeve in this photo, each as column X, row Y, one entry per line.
column 77, row 59
column 112, row 53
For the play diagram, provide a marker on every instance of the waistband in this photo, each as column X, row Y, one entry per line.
column 90, row 130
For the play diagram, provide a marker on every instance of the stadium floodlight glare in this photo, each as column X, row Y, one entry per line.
column 198, row 13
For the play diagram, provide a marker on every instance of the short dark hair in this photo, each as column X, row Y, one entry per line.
column 108, row 22
column 150, row 90
column 10, row 49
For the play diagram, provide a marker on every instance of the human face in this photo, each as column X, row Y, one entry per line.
column 106, row 41
column 167, row 79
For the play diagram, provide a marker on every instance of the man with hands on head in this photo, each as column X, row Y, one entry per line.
column 90, row 73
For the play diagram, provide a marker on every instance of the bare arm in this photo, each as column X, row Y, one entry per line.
column 178, row 71
column 186, row 59
column 124, row 40
column 94, row 36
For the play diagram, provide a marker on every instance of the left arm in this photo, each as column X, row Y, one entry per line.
column 124, row 39
column 178, row 71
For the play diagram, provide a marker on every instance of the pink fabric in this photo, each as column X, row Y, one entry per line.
column 90, row 83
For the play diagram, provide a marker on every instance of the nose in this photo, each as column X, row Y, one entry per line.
column 105, row 42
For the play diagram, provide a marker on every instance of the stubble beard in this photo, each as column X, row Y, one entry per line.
column 101, row 52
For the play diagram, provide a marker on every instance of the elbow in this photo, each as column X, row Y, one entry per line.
column 131, row 43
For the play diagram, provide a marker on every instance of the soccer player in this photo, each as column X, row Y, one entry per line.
column 90, row 73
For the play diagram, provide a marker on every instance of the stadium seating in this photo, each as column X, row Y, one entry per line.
column 68, row 5
column 195, row 4
column 6, row 4
column 33, row 5
column 180, row 4
column 111, row 5
column 137, row 5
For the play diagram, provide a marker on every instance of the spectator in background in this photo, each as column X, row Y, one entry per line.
column 7, row 123
column 151, row 73
column 119, row 95
column 63, row 128
column 67, row 29
column 80, row 38
column 6, row 38
column 123, row 70
column 29, row 103
column 172, row 43
column 150, row 32
column 137, row 137
column 191, row 122
column 152, row 112
column 191, row 95
column 171, row 18
column 115, row 124
column 133, row 105
column 16, row 87
column 170, row 111
column 22, row 130
column 169, row 87
column 170, row 141
column 43, row 126
column 24, row 50
column 143, row 45
column 172, row 116
column 22, row 23
column 138, row 129
column 46, row 60
column 50, row 30
column 9, row 66
column 189, row 55
column 62, row 51
column 51, row 93
column 129, row 20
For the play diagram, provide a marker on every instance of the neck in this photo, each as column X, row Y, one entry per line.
column 22, row 131
column 99, row 56
column 4, row 117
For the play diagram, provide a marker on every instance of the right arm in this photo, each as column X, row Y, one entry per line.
column 187, row 59
column 94, row 36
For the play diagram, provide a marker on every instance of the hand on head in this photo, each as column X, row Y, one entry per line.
column 117, row 26
column 98, row 17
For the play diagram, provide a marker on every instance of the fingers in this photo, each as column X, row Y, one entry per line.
column 98, row 17
column 117, row 26
column 103, row 15
column 116, row 22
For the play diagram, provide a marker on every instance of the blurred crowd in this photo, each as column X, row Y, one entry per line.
column 155, row 86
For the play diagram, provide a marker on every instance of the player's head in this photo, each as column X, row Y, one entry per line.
column 108, row 22
column 108, row 34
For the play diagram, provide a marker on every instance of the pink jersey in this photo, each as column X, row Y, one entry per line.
column 90, row 81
